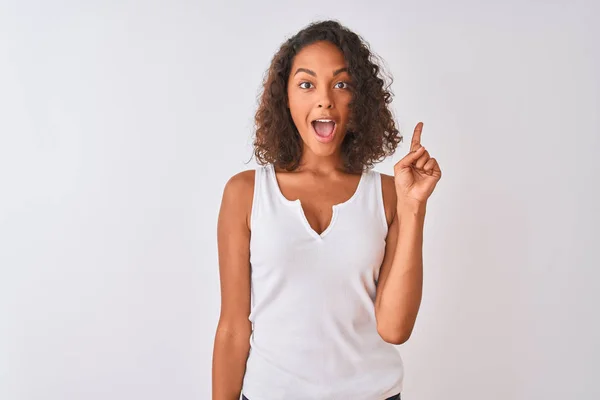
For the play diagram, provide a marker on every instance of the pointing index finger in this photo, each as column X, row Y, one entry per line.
column 416, row 139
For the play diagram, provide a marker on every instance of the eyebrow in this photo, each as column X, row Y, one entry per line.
column 313, row 73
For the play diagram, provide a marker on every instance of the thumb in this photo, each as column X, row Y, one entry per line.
column 411, row 157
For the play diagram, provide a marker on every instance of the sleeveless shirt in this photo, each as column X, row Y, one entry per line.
column 314, row 333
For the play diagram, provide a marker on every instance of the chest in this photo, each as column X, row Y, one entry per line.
column 317, row 200
column 285, row 247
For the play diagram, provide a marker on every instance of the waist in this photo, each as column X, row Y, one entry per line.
column 394, row 397
column 295, row 373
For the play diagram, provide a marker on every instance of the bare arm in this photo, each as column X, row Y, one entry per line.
column 231, row 345
column 399, row 289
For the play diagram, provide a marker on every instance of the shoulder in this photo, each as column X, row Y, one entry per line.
column 388, row 188
column 240, row 183
column 238, row 193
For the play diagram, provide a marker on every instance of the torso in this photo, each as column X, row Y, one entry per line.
column 316, row 250
column 318, row 195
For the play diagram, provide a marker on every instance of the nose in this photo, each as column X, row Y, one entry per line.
column 325, row 101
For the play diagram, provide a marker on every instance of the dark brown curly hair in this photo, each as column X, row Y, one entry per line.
column 371, row 134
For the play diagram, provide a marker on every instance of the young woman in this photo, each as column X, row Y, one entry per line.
column 321, row 256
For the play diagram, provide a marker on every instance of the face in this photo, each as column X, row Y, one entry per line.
column 319, row 94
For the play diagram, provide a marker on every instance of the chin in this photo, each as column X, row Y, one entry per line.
column 324, row 149
column 319, row 151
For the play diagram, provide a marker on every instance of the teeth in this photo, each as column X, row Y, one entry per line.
column 324, row 120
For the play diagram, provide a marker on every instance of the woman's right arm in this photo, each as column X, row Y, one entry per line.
column 232, row 337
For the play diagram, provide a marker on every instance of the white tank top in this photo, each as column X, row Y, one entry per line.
column 314, row 331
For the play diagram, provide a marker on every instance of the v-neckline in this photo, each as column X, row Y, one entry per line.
column 298, row 204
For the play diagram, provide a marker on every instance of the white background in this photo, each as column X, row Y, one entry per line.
column 121, row 121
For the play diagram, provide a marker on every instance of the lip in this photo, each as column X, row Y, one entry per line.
column 329, row 138
column 331, row 117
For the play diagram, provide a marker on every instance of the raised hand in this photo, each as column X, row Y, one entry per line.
column 417, row 174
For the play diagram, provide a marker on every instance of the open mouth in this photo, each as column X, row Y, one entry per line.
column 324, row 129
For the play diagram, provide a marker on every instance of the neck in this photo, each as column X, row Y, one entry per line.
column 321, row 164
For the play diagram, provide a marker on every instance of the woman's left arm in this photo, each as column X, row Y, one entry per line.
column 400, row 284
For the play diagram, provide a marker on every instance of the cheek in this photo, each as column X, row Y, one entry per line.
column 298, row 109
column 343, row 99
column 343, row 106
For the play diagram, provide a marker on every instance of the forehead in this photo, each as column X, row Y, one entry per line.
column 319, row 55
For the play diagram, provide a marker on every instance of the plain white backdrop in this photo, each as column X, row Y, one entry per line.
column 121, row 121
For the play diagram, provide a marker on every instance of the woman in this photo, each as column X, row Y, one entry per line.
column 321, row 256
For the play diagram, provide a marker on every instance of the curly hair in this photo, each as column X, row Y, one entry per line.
column 371, row 133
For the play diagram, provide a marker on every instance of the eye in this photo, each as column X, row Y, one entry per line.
column 302, row 83
column 345, row 83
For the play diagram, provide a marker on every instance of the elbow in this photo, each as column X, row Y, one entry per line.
column 396, row 336
column 394, row 328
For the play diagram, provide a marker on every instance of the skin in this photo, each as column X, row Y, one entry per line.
column 319, row 85
column 319, row 183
